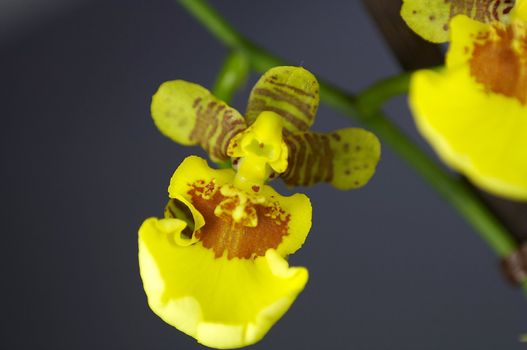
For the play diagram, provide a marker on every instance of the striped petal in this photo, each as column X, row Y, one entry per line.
column 291, row 92
column 189, row 114
column 430, row 18
column 346, row 158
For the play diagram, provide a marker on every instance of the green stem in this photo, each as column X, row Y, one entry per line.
column 215, row 23
column 232, row 76
column 365, row 108
column 372, row 98
column 451, row 188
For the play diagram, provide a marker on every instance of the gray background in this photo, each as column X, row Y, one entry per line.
column 391, row 266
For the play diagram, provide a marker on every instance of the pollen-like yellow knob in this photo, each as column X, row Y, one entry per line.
column 261, row 150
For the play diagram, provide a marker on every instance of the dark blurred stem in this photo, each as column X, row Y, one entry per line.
column 366, row 109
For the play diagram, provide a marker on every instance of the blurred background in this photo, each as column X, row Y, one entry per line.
column 391, row 266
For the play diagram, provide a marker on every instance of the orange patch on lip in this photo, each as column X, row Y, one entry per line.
column 222, row 234
column 501, row 64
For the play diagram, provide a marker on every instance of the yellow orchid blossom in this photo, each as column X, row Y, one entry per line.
column 430, row 18
column 227, row 281
column 214, row 267
column 474, row 112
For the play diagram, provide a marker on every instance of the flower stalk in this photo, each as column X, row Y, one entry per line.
column 232, row 76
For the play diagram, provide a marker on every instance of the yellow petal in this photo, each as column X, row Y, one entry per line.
column 194, row 170
column 482, row 134
column 474, row 113
column 223, row 303
column 430, row 18
column 189, row 114
column 464, row 30
column 291, row 92
column 520, row 10
column 346, row 158
column 180, row 208
column 495, row 53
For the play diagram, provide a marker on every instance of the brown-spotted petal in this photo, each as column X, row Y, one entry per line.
column 430, row 18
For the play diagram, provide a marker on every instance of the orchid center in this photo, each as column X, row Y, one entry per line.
column 238, row 224
column 499, row 61
column 260, row 150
